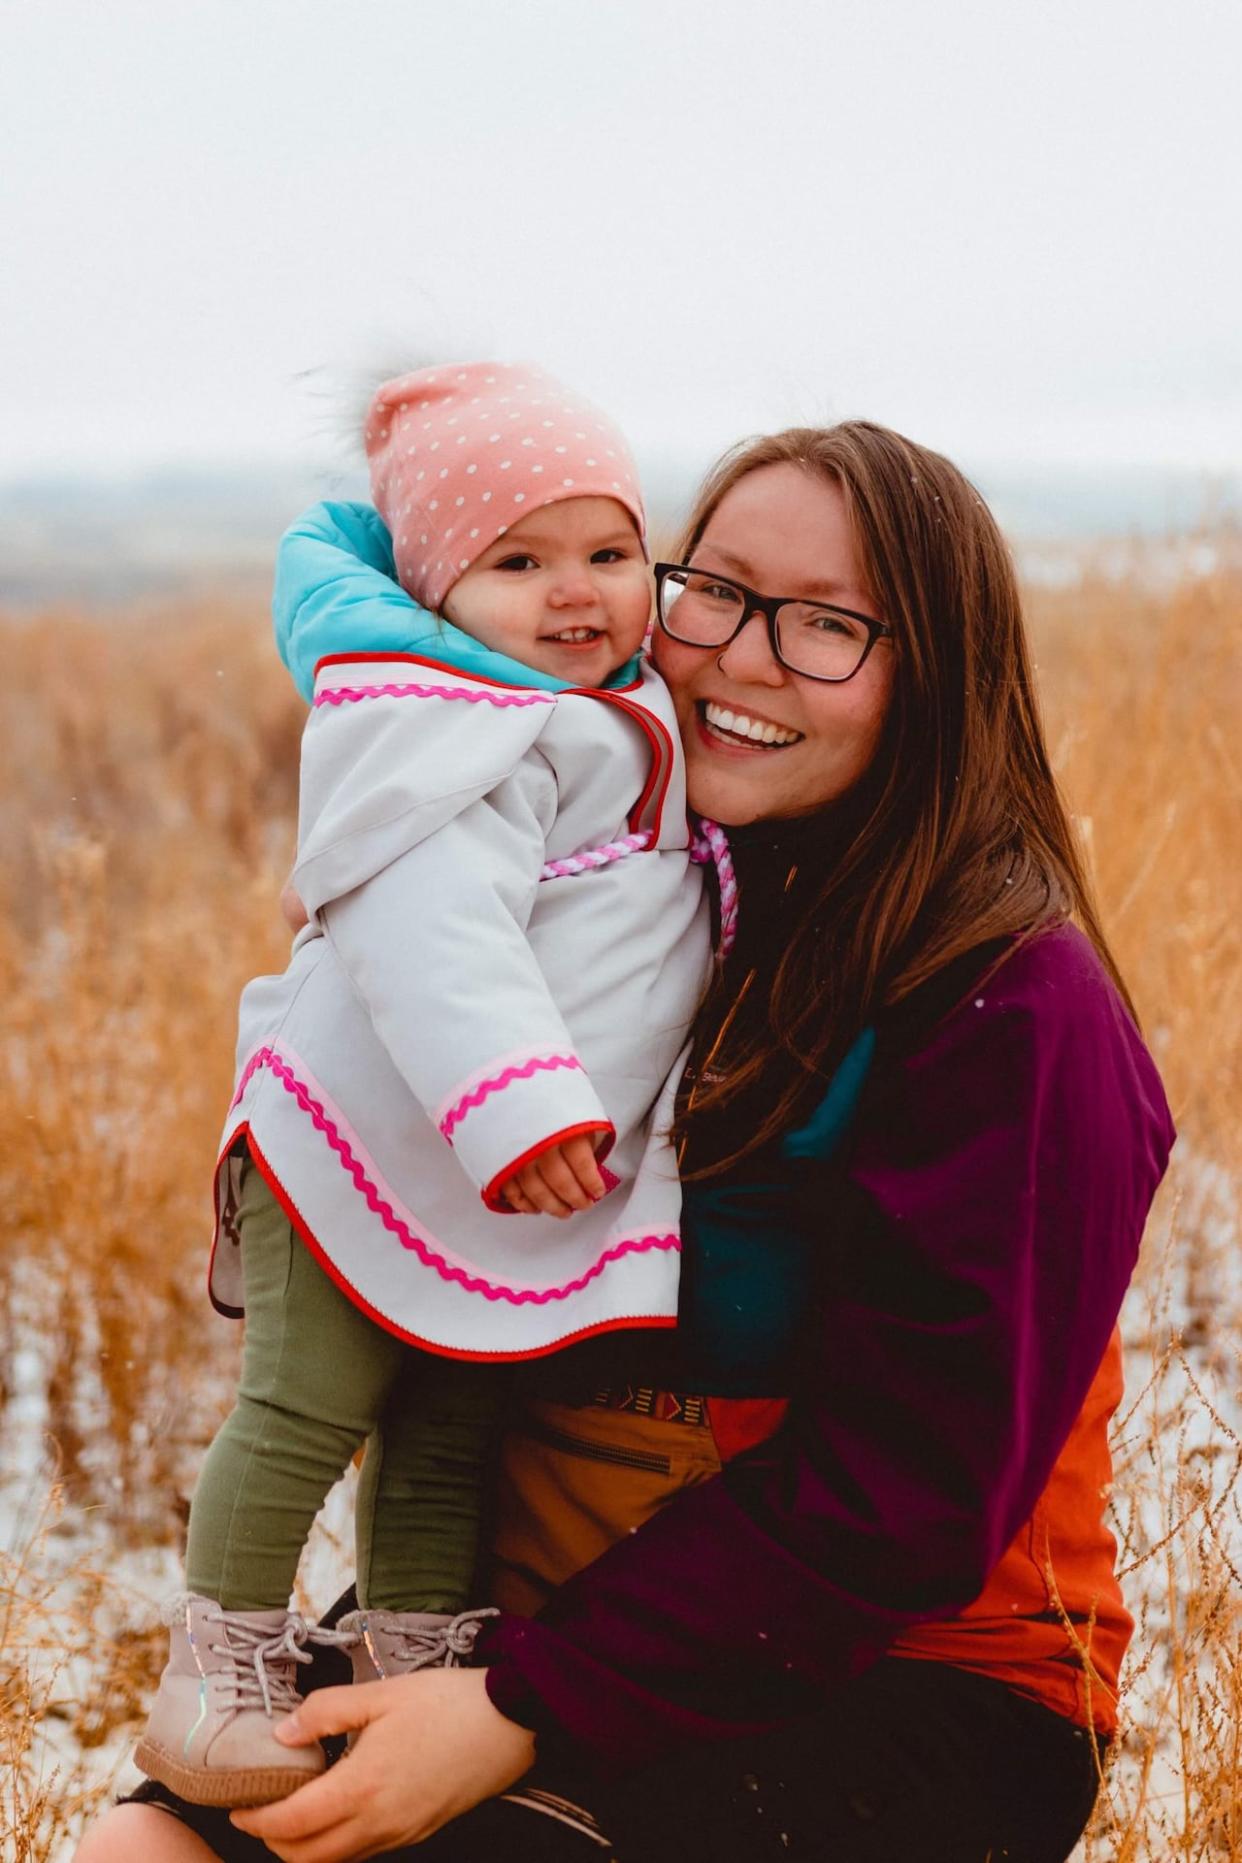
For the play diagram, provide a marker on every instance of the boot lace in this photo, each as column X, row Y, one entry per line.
column 442, row 1645
column 263, row 1667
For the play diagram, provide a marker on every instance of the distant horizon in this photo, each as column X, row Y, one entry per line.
column 93, row 538
column 675, row 459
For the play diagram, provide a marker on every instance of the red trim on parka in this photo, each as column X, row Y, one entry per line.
column 663, row 759
column 306, row 1234
column 444, row 666
column 663, row 756
column 492, row 1192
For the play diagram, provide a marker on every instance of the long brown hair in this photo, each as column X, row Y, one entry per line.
column 956, row 834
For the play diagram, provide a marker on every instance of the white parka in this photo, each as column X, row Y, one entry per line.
column 452, row 1006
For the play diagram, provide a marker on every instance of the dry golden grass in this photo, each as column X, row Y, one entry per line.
column 149, row 768
column 1141, row 688
column 71, row 1681
column 1142, row 684
column 155, row 766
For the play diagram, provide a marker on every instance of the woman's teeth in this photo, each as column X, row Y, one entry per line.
column 741, row 727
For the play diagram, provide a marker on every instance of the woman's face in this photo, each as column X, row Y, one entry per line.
column 783, row 531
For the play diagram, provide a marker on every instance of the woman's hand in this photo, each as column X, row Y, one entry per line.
column 294, row 911
column 431, row 1746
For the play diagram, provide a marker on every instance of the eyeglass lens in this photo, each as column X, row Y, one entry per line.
column 821, row 642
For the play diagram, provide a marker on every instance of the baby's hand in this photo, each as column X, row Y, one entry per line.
column 558, row 1182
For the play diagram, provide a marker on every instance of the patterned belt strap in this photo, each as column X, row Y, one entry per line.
column 664, row 1406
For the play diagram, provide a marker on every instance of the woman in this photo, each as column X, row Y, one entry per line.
column 920, row 1139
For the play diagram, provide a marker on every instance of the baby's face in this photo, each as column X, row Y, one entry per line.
column 565, row 590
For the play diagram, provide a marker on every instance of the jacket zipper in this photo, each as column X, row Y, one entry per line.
column 596, row 1452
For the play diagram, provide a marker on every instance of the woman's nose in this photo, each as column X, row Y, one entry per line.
column 748, row 659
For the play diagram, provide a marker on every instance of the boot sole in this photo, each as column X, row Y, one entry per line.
column 238, row 1789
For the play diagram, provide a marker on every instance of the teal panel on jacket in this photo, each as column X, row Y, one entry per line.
column 832, row 1118
column 336, row 592
column 748, row 1256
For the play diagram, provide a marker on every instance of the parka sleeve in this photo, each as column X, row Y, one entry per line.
column 426, row 803
column 987, row 1224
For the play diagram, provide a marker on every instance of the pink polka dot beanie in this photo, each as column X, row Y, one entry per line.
column 461, row 452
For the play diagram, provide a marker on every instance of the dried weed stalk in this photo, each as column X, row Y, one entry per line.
column 155, row 762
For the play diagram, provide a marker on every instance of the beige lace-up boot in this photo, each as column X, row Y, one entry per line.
column 231, row 1679
column 386, row 1643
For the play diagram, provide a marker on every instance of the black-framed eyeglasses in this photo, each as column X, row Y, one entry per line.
column 701, row 609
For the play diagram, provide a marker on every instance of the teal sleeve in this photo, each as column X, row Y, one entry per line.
column 336, row 592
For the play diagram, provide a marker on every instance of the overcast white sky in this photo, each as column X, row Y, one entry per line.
column 1010, row 227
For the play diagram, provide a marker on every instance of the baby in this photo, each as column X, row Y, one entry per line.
column 447, row 1146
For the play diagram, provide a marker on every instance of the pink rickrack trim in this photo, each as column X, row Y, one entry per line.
column 260, row 1058
column 597, row 856
column 473, row 695
column 711, row 843
column 379, row 1205
column 538, row 1064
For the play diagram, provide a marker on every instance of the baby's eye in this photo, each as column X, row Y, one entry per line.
column 613, row 554
column 516, row 563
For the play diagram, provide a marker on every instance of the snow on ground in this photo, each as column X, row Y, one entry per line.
column 63, row 1561
column 81, row 1600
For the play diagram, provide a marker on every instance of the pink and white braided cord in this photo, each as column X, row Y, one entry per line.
column 712, row 843
column 592, row 857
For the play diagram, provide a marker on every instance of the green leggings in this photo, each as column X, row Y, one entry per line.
column 319, row 1379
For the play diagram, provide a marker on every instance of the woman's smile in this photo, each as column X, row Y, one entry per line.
column 761, row 741
column 740, row 730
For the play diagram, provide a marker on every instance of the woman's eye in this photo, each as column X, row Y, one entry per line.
column 717, row 592
column 825, row 622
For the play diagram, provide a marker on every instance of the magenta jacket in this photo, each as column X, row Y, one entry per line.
column 977, row 1237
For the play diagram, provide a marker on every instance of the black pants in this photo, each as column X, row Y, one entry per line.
column 915, row 1761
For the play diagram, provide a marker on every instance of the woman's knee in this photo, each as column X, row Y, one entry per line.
column 130, row 1831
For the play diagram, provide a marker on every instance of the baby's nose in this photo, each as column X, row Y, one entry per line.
column 573, row 588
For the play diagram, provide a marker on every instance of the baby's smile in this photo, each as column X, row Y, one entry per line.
column 565, row 590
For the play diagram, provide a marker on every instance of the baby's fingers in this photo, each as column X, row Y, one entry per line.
column 542, row 1191
column 579, row 1155
column 540, row 1195
column 517, row 1199
column 561, row 1178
